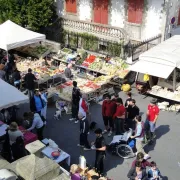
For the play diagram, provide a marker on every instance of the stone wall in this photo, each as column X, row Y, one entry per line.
column 154, row 17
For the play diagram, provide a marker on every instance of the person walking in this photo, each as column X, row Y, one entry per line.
column 84, row 129
column 108, row 110
column 119, row 117
column 76, row 95
column 132, row 112
column 37, row 124
column 139, row 136
column 30, row 82
column 100, row 146
column 36, row 102
column 151, row 119
column 137, row 172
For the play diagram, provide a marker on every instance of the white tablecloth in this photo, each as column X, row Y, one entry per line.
column 63, row 155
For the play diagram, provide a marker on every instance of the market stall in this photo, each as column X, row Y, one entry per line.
column 13, row 36
column 162, row 66
column 97, row 64
column 10, row 96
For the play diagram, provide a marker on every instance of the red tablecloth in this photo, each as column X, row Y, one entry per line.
column 28, row 136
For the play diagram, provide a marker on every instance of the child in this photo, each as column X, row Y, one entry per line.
column 61, row 106
column 154, row 173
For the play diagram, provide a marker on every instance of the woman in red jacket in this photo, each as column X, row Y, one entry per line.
column 107, row 113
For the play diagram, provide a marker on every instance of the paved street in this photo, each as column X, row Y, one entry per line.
column 165, row 151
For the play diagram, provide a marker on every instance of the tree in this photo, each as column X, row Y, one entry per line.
column 40, row 13
column 14, row 10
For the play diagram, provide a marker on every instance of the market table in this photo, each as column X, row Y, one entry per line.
column 28, row 136
column 63, row 155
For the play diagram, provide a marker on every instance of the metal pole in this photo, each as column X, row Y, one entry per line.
column 174, row 80
column 7, row 56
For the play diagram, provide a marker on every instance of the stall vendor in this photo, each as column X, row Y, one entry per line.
column 68, row 72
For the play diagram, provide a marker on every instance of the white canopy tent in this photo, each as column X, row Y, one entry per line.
column 13, row 36
column 160, row 60
column 10, row 96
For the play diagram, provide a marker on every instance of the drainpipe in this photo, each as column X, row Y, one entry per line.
column 166, row 4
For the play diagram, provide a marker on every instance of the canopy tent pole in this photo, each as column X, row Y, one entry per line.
column 174, row 80
column 7, row 56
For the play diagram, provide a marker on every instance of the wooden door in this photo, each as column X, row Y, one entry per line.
column 100, row 8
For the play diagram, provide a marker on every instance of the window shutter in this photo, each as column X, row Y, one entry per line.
column 104, row 11
column 100, row 8
column 139, row 11
column 131, row 11
column 135, row 11
column 178, row 18
column 73, row 6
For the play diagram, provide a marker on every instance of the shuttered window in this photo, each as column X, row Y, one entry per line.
column 71, row 6
column 100, row 8
column 135, row 11
column 178, row 23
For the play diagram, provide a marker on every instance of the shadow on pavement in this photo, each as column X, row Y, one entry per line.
column 160, row 131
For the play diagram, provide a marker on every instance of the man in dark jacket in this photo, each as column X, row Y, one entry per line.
column 84, row 129
column 76, row 95
column 30, row 82
column 36, row 103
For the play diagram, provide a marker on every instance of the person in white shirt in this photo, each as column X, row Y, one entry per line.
column 38, row 125
column 14, row 132
column 83, row 105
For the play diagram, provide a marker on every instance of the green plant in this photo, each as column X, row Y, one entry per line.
column 89, row 42
column 114, row 49
column 40, row 13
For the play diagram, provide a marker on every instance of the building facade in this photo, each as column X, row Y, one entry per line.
column 139, row 19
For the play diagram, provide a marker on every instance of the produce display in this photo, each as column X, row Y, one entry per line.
column 90, row 59
column 35, row 51
column 41, row 71
column 64, row 90
column 165, row 93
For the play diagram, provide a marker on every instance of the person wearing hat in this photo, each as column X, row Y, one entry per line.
column 30, row 82
column 119, row 116
column 84, row 129
column 14, row 132
column 100, row 146
column 151, row 118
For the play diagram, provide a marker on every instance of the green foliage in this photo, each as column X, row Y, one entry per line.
column 40, row 13
column 89, row 42
column 114, row 49
column 35, row 13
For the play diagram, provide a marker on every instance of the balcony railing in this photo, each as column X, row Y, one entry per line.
column 98, row 29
